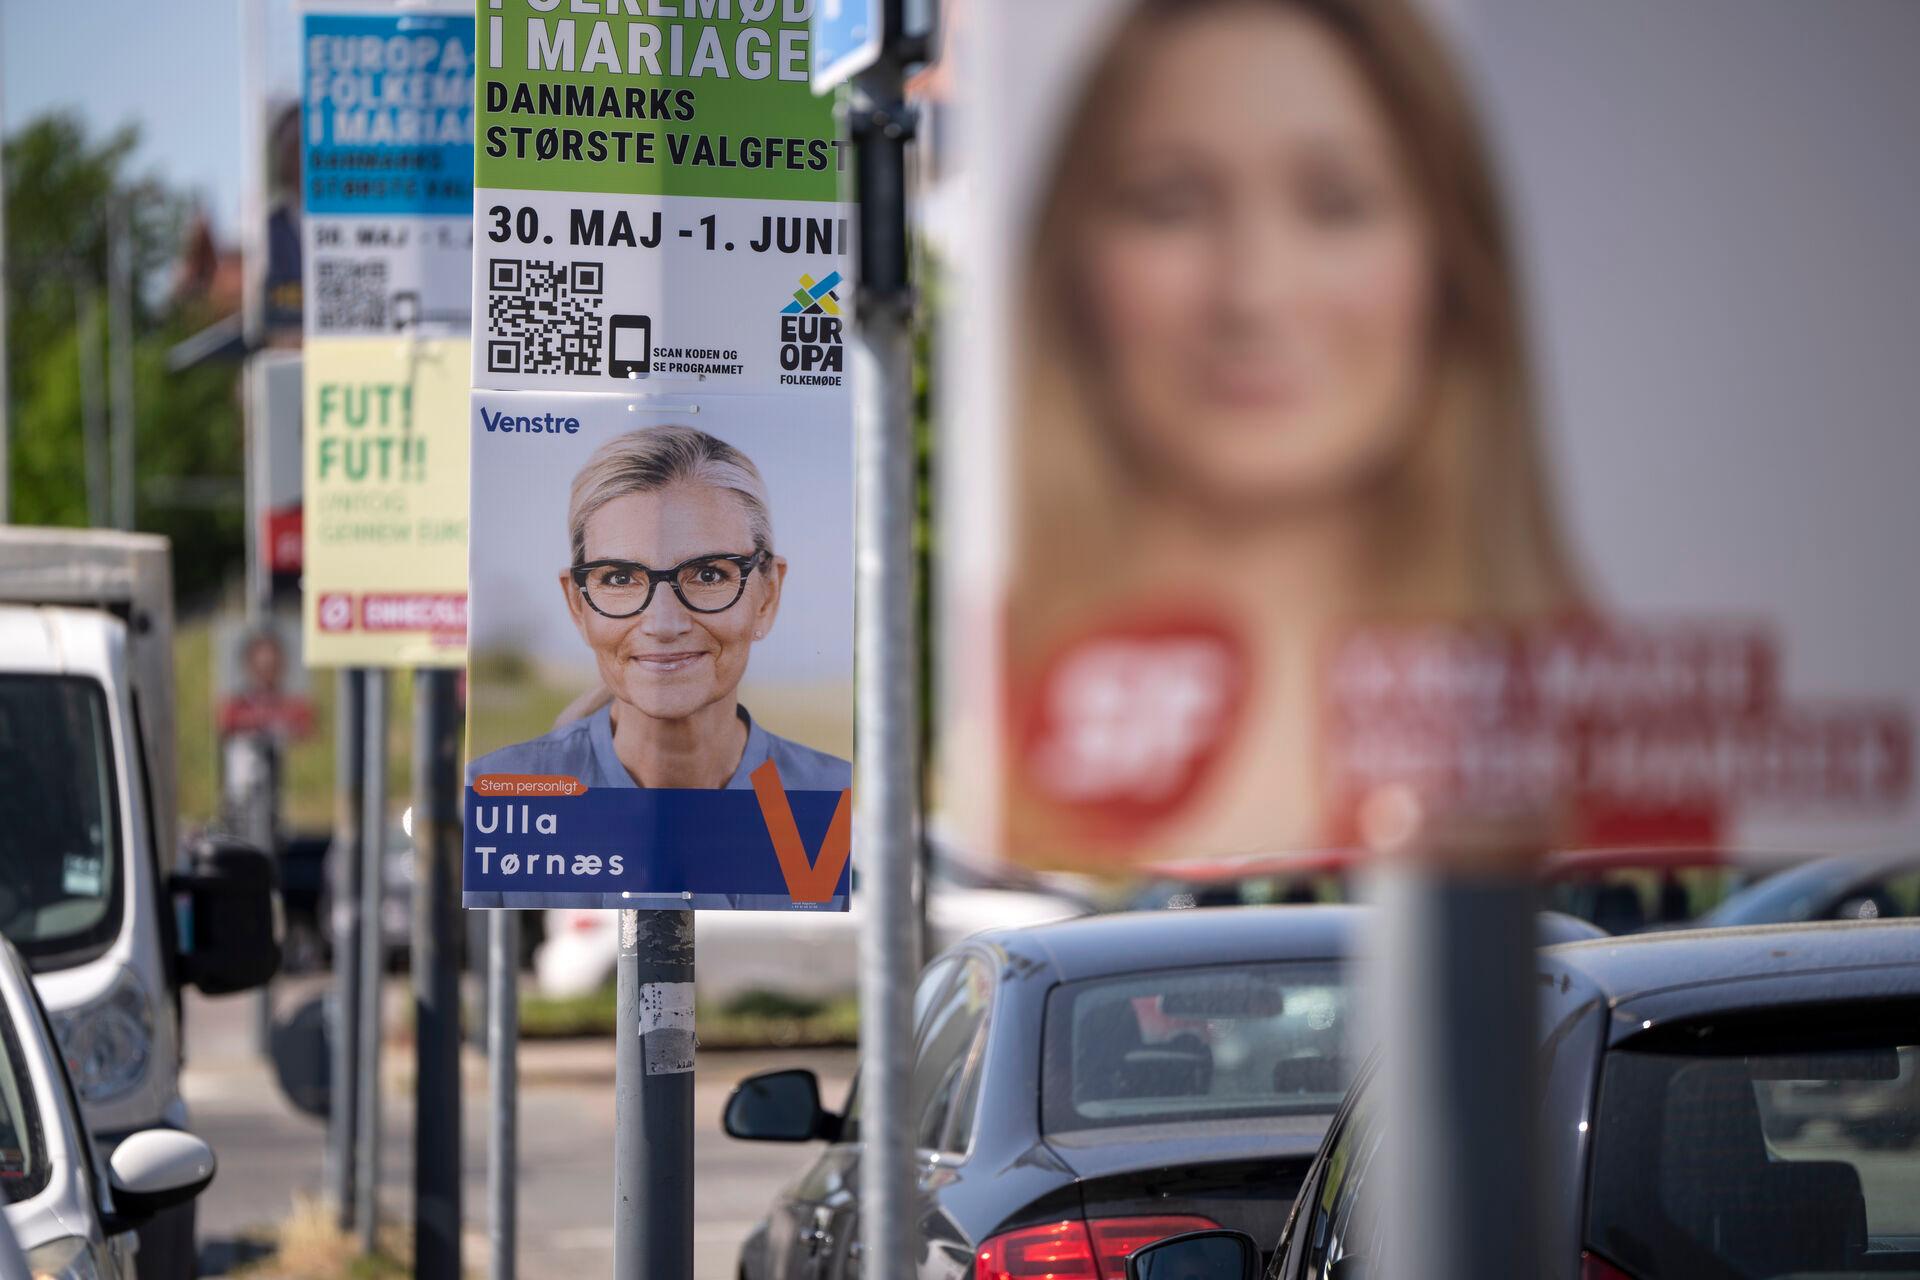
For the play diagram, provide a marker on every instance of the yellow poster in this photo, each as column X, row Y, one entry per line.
column 386, row 502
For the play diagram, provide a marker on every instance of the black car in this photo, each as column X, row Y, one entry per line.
column 1886, row 887
column 1718, row 1105
column 1083, row 1088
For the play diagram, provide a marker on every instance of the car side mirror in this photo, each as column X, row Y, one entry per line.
column 1198, row 1255
column 154, row 1170
column 779, row 1106
column 1351, row 1267
column 227, row 936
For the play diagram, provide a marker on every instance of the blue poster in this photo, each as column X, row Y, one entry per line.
column 389, row 113
column 387, row 171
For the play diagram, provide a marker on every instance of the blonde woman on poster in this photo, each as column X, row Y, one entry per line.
column 674, row 579
column 1272, row 379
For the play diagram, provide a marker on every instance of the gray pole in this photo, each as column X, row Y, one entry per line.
column 886, row 684
column 349, row 785
column 373, row 852
column 653, row 1098
column 261, row 831
column 120, row 359
column 93, row 423
column 436, row 976
column 253, row 203
column 262, row 801
column 1455, row 996
column 503, row 1048
column 6, row 438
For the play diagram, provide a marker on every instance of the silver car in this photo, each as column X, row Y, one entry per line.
column 73, row 1212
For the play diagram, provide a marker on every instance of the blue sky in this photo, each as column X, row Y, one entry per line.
column 171, row 66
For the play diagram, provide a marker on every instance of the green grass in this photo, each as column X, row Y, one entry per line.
column 754, row 1020
column 196, row 754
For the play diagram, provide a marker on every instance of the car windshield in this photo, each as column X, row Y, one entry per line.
column 59, row 821
column 1788, row 1161
column 1196, row 1044
column 23, row 1153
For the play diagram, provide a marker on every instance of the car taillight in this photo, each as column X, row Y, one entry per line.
column 1074, row 1250
column 1060, row 1249
column 1594, row 1267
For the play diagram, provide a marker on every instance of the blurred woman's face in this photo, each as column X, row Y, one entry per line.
column 668, row 661
column 1251, row 264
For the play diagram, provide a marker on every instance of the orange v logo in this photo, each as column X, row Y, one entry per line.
column 808, row 880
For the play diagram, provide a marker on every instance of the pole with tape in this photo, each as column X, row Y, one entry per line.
column 653, row 1098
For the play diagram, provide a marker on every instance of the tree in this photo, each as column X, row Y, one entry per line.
column 62, row 190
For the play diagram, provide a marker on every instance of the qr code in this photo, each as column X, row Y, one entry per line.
column 544, row 317
column 350, row 296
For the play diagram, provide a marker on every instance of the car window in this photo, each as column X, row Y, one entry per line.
column 959, row 1130
column 1624, row 900
column 1342, row 1221
column 24, row 1168
column 1904, row 891
column 1890, row 898
column 933, row 980
column 954, row 1028
column 1193, row 1044
column 59, row 820
column 1788, row 1159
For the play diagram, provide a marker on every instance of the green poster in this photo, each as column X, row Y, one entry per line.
column 703, row 98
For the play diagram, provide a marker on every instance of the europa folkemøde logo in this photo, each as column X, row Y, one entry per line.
column 812, row 333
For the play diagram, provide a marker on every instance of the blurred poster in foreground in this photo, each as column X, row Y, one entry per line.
column 388, row 191
column 1276, row 485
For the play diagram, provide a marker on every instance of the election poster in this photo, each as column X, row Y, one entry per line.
column 661, row 684
column 270, row 196
column 657, row 201
column 661, row 678
column 261, row 688
column 387, row 138
column 1363, row 401
column 388, row 171
column 385, row 492
column 274, row 463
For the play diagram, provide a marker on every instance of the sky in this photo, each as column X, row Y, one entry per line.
column 172, row 67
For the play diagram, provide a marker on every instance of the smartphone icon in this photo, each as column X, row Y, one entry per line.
column 630, row 346
column 406, row 309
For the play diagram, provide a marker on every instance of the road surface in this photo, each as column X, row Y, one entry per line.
column 268, row 1152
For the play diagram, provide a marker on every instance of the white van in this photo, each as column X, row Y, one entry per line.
column 93, row 892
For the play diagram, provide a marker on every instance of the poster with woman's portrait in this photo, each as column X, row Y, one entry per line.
column 1497, row 403
column 661, row 640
